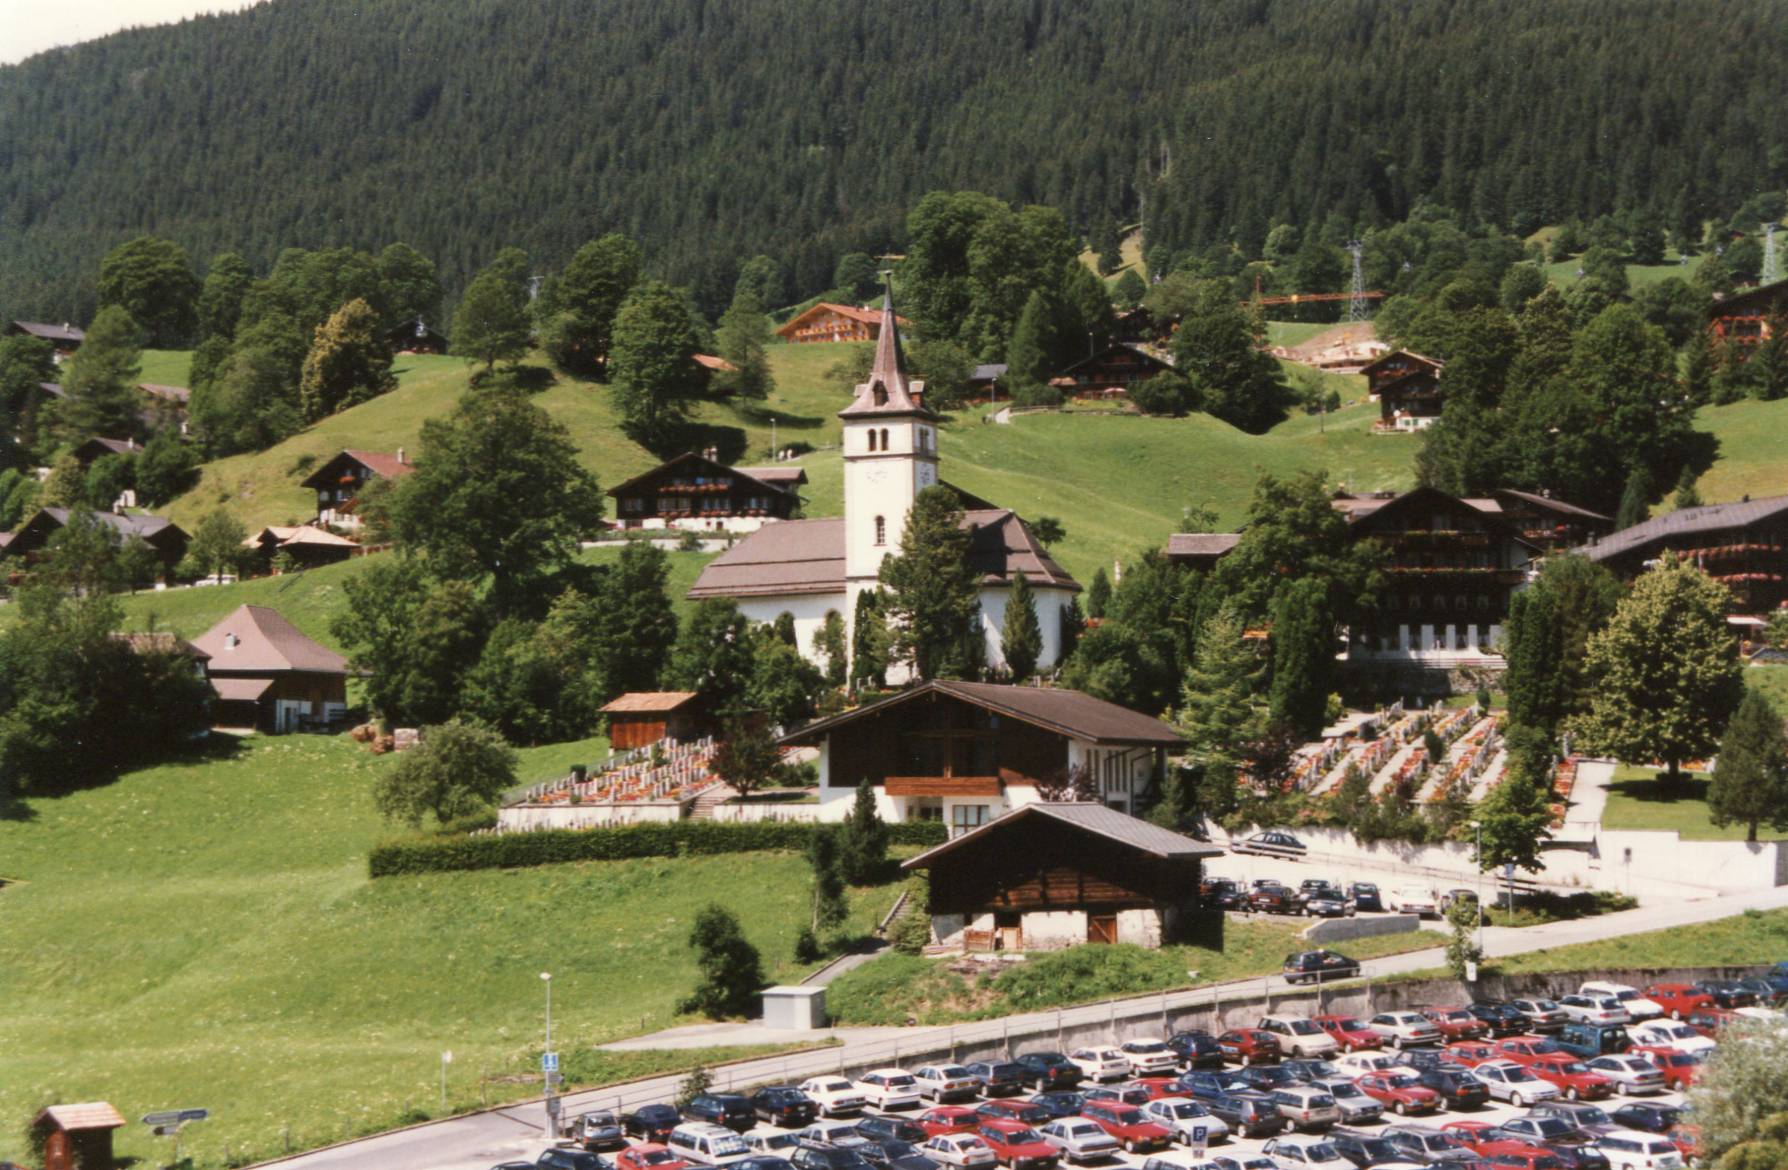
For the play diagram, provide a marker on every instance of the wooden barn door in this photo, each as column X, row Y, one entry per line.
column 1101, row 928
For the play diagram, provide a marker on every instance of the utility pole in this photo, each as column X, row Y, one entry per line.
column 549, row 1062
column 1356, row 298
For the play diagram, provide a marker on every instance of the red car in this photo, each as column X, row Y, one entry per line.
column 1679, row 999
column 1469, row 1132
column 1520, row 1156
column 1575, row 1080
column 1349, row 1033
column 1679, row 1068
column 948, row 1119
column 1007, row 1110
column 648, row 1156
column 1455, row 1023
column 1527, row 1049
column 1687, row 1139
column 1017, row 1145
column 1710, row 1021
column 1249, row 1046
column 1128, row 1124
column 1158, row 1087
column 1399, row 1092
column 1471, row 1053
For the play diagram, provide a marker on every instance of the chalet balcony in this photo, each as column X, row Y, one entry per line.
column 1472, row 574
column 943, row 786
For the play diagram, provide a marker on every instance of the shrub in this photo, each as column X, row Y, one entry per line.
column 694, row 1085
column 731, row 971
column 807, row 948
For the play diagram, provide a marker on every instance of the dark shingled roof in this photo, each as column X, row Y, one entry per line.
column 1202, row 544
column 1688, row 522
column 50, row 332
column 776, row 479
column 1070, row 713
column 1549, row 503
column 178, row 394
column 1109, row 823
column 125, row 526
column 786, row 476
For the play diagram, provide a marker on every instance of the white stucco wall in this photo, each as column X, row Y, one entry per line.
column 1048, row 604
column 809, row 610
column 1052, row 930
column 1141, row 927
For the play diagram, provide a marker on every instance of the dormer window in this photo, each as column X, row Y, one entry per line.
column 880, row 394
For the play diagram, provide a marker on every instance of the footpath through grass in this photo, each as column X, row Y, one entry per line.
column 896, row 988
column 204, row 933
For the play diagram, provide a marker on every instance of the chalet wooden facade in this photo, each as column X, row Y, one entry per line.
column 1110, row 373
column 269, row 676
column 65, row 338
column 1748, row 318
column 302, row 546
column 416, row 336
column 339, row 482
column 1551, row 525
column 165, row 538
column 77, row 1137
column 1742, row 545
column 1407, row 386
column 827, row 321
column 642, row 718
column 699, row 493
column 1049, row 875
column 963, row 753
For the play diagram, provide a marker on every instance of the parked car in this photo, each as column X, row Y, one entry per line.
column 1515, row 1155
column 774, row 1143
column 1149, row 1056
column 1124, row 1094
column 1514, row 1083
column 565, row 1158
column 1423, row 1059
column 649, row 1156
column 1592, row 1040
column 1458, row 1089
column 1777, row 977
column 1249, row 1046
column 1364, row 1149
column 1401, row 1093
column 1319, row 966
column 962, row 1150
column 1677, row 1069
column 943, row 1119
column 1079, row 1140
column 784, row 1105
column 1299, row 1035
column 1248, row 1114
column 1456, row 1023
column 1273, row 843
column 1638, row 1005
column 732, row 1110
column 598, row 1129
column 1647, row 1116
column 1135, row 1130
column 1306, row 1106
column 1631, row 1150
column 1264, row 1078
column 1305, row 1152
column 1349, row 1033
column 1060, row 1103
column 1048, row 1070
column 1358, row 1064
column 1203, row 1085
column 1101, row 1064
column 1183, row 1117
column 1404, row 1029
column 1222, row 894
column 1574, row 1078
column 1632, row 1073
column 888, row 1154
column 1029, row 1112
column 887, row 1127
column 1417, row 900
column 889, row 1088
column 943, row 1083
column 651, row 1123
column 1425, row 1145
column 1727, row 993
column 1767, row 993
column 1470, row 1053
column 1543, row 1130
column 1356, row 1106
column 1017, row 1145
column 999, row 1078
column 831, row 1132
column 1502, row 1019
column 707, row 1144
column 1678, row 999
column 1273, row 899
column 1325, row 902
column 1365, row 896
column 1594, row 1009
column 1525, row 1049
column 1542, row 1015
column 1308, row 1069
column 814, row 1157
column 1196, row 1049
column 1710, row 1022
column 1591, row 1119
column 834, row 1095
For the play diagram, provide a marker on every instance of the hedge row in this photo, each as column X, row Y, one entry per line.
column 666, row 839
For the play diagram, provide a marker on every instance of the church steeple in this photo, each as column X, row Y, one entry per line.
column 889, row 390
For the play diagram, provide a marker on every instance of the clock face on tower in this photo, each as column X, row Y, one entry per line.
column 876, row 475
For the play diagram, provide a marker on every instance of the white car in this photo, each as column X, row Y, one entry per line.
column 1100, row 1064
column 1183, row 1115
column 1594, row 1009
column 889, row 1088
column 1639, row 1007
column 708, row 1145
column 1631, row 1074
column 1358, row 1064
column 1299, row 1036
column 1511, row 1082
column 1148, row 1057
column 1404, row 1029
column 834, row 1133
column 960, row 1149
column 944, row 1083
column 1303, row 1151
column 776, row 1145
column 1629, row 1149
column 1079, row 1140
column 1414, row 900
column 834, row 1095
column 1670, row 1034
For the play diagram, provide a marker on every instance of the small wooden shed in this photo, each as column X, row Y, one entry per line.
column 77, row 1137
column 639, row 718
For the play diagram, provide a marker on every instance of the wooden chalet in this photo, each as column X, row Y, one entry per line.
column 697, row 492
column 640, row 718
column 304, row 546
column 1200, row 551
column 827, row 321
column 416, row 336
column 1110, row 373
column 338, row 482
column 964, row 752
column 1407, row 386
column 65, row 338
column 167, row 539
column 1550, row 524
column 1747, row 319
column 1742, row 545
column 1049, row 875
column 96, row 448
column 270, row 677
column 77, row 1137
column 984, row 383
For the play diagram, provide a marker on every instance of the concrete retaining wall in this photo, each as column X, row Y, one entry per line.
column 526, row 817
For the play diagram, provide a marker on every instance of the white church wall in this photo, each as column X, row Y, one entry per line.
column 1048, row 604
column 809, row 611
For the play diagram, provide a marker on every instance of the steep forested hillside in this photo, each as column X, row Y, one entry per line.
column 714, row 129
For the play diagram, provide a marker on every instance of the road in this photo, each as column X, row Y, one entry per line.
column 478, row 1141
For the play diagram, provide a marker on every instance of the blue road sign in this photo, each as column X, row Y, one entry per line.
column 549, row 1062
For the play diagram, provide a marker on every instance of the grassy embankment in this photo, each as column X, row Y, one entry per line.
column 1756, row 936
column 204, row 933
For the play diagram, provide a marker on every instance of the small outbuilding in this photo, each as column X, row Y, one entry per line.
column 305, row 545
column 1050, row 875
column 639, row 718
column 77, row 1137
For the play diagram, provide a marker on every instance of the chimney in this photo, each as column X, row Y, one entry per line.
column 231, row 641
column 400, row 456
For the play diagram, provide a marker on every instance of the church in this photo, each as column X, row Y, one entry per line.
column 809, row 568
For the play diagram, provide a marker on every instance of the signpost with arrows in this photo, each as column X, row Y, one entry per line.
column 169, row 1123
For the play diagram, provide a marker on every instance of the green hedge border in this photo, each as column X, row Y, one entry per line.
column 666, row 839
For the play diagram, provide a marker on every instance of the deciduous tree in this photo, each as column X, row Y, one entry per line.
column 348, row 363
column 588, row 296
column 216, row 546
column 731, row 971
column 652, row 367
column 151, row 280
column 458, row 768
column 491, row 323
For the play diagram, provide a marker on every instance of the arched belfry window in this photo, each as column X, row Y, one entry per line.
column 872, row 446
column 881, row 531
column 885, row 446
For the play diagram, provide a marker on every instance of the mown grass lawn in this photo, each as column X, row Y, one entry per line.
column 895, row 988
column 1753, row 460
column 203, row 933
column 1637, row 799
column 1756, row 936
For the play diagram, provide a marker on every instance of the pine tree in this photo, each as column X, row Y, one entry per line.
column 1665, row 672
column 348, row 363
column 863, row 840
column 1098, row 594
column 1515, row 815
column 1303, row 648
column 730, row 967
column 744, row 332
column 830, row 908
column 1686, row 496
column 933, row 602
column 1750, row 780
column 869, row 640
column 1031, row 354
column 1547, row 637
column 1021, row 636
column 1635, row 501
column 832, row 643
column 99, row 384
column 1220, row 709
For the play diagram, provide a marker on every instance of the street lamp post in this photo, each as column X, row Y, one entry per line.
column 1478, row 828
column 546, row 1076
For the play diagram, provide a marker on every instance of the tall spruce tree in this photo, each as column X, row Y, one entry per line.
column 99, row 384
column 932, row 597
column 744, row 332
column 1546, row 640
column 869, row 640
column 1750, row 780
column 1021, row 635
column 1098, row 594
column 832, row 644
column 1303, row 654
column 863, row 841
column 1221, row 709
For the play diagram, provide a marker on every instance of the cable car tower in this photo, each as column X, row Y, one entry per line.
column 1356, row 294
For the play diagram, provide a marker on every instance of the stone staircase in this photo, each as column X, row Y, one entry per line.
column 710, row 798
